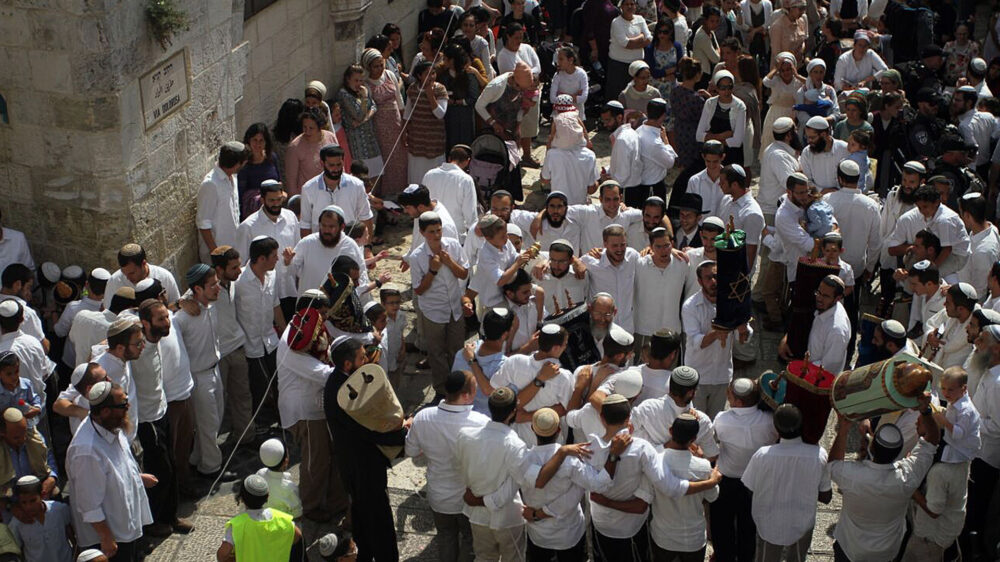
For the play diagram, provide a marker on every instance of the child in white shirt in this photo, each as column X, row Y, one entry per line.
column 284, row 493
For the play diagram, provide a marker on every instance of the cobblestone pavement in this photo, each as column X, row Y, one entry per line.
column 414, row 525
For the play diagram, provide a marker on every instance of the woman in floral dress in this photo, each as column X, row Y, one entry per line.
column 385, row 91
column 359, row 112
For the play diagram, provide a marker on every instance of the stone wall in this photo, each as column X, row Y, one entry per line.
column 81, row 174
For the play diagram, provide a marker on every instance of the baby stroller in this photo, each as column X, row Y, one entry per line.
column 496, row 164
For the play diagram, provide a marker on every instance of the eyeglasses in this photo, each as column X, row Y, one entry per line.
column 606, row 315
column 122, row 406
column 139, row 344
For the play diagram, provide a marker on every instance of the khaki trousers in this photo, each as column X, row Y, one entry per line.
column 320, row 485
column 507, row 544
column 236, row 382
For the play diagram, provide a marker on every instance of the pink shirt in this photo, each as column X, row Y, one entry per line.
column 302, row 161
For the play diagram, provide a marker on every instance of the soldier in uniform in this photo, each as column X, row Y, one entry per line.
column 926, row 127
column 953, row 163
column 928, row 72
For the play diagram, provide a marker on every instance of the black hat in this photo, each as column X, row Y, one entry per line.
column 927, row 95
column 931, row 51
column 690, row 202
column 952, row 142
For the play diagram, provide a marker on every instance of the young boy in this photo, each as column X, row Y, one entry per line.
column 15, row 391
column 284, row 492
column 832, row 247
column 925, row 283
column 42, row 528
column 857, row 144
column 395, row 323
column 375, row 313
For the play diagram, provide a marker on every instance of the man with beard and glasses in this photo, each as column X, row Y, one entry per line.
column 281, row 224
column 820, row 158
column 790, row 241
column 551, row 223
column 593, row 219
column 899, row 200
column 654, row 209
column 977, row 363
column 109, row 502
column 659, row 289
column 562, row 276
column 709, row 350
column 314, row 254
column 218, row 213
column 334, row 187
column 501, row 205
column 527, row 301
column 154, row 426
column 602, row 311
column 831, row 329
column 611, row 270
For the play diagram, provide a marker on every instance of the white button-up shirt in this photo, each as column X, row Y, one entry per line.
column 199, row 336
column 218, row 207
column 860, row 223
column 285, row 230
column 626, row 163
column 106, row 485
column 785, row 479
column 65, row 322
column 776, row 164
column 349, row 195
column 493, row 262
column 312, row 260
column 571, row 171
column 301, row 380
column 35, row 364
column 177, row 380
column 985, row 246
column 557, row 287
column 747, row 215
column 32, row 324
column 854, row 71
column 678, row 522
column 655, row 383
column 892, row 208
column 821, row 167
column 659, row 293
column 227, row 328
column 89, row 328
column 147, row 375
column 945, row 224
column 976, row 128
column 441, row 303
column 448, row 227
column 616, row 280
column 452, row 187
column 715, row 362
column 987, row 402
column 709, row 190
column 657, row 157
column 955, row 346
column 831, row 329
column 741, row 433
column 876, row 496
column 475, row 242
column 652, row 420
column 560, row 497
column 491, row 464
column 593, row 220
column 518, row 371
column 431, row 439
column 14, row 249
column 255, row 302
column 963, row 439
column 795, row 242
column 946, row 491
column 118, row 280
column 569, row 230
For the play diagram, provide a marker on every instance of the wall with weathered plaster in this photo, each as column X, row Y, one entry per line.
column 81, row 175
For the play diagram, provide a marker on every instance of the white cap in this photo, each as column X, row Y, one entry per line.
column 51, row 271
column 72, row 272
column 8, row 308
column 818, row 123
column 327, row 544
column 915, row 167
column 685, row 376
column 850, row 168
column 12, row 415
column 620, row 335
column 893, row 328
column 272, row 452
column 742, row 387
column 514, row 229
column 978, row 64
column 255, row 485
column 550, row 329
column 78, row 372
column 429, row 216
column 99, row 393
column 967, row 89
column 783, row 125
column 722, row 74
column 628, row 383
column 89, row 555
column 968, row 291
column 922, row 265
column 889, row 436
column 101, row 273
column 861, row 35
column 335, row 209
column 29, row 480
column 714, row 221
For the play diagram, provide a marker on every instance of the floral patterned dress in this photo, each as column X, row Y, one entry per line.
column 361, row 137
column 388, row 128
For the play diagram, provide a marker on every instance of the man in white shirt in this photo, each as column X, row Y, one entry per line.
column 437, row 269
column 975, row 126
column 431, row 441
column 572, row 171
column 593, row 219
column 899, row 200
column 944, row 332
column 552, row 222
column 450, row 185
column 654, row 211
column 613, row 272
column 334, row 187
column 96, row 282
column 501, row 205
column 930, row 214
column 789, row 235
column 659, row 289
column 652, row 418
column 132, row 268
column 984, row 242
column 17, row 285
column 626, row 163
column 741, row 431
column 819, row 160
column 515, row 51
column 678, row 528
column 314, row 254
column 737, row 202
column 706, row 182
column 258, row 311
column 709, row 350
column 985, row 468
column 786, row 479
column 497, row 264
column 281, row 224
column 831, row 329
column 527, row 302
column 655, row 154
column 416, row 200
column 36, row 367
column 877, row 490
column 563, row 277
column 112, row 513
column 857, row 67
column 14, row 247
column 218, row 203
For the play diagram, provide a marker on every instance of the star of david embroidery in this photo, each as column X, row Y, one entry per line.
column 740, row 288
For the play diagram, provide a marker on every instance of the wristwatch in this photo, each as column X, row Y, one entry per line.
column 614, row 458
column 473, row 360
column 539, row 383
column 433, row 272
column 378, row 284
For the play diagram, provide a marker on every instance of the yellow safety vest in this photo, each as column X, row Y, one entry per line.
column 263, row 541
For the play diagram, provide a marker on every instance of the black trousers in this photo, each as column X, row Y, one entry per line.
column 371, row 516
column 635, row 549
column 127, row 551
column 661, row 555
column 636, row 196
column 734, row 535
column 260, row 370
column 158, row 460
column 982, row 485
column 578, row 553
column 852, row 305
column 681, row 184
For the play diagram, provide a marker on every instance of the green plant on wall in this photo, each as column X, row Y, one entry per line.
column 165, row 19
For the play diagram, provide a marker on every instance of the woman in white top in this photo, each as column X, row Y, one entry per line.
column 783, row 82
column 629, row 36
column 754, row 21
column 724, row 118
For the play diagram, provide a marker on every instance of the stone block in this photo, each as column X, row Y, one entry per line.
column 220, row 12
column 210, row 49
column 15, row 30
column 50, row 71
column 271, row 20
column 99, row 113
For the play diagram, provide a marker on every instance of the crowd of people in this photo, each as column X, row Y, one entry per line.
column 585, row 402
